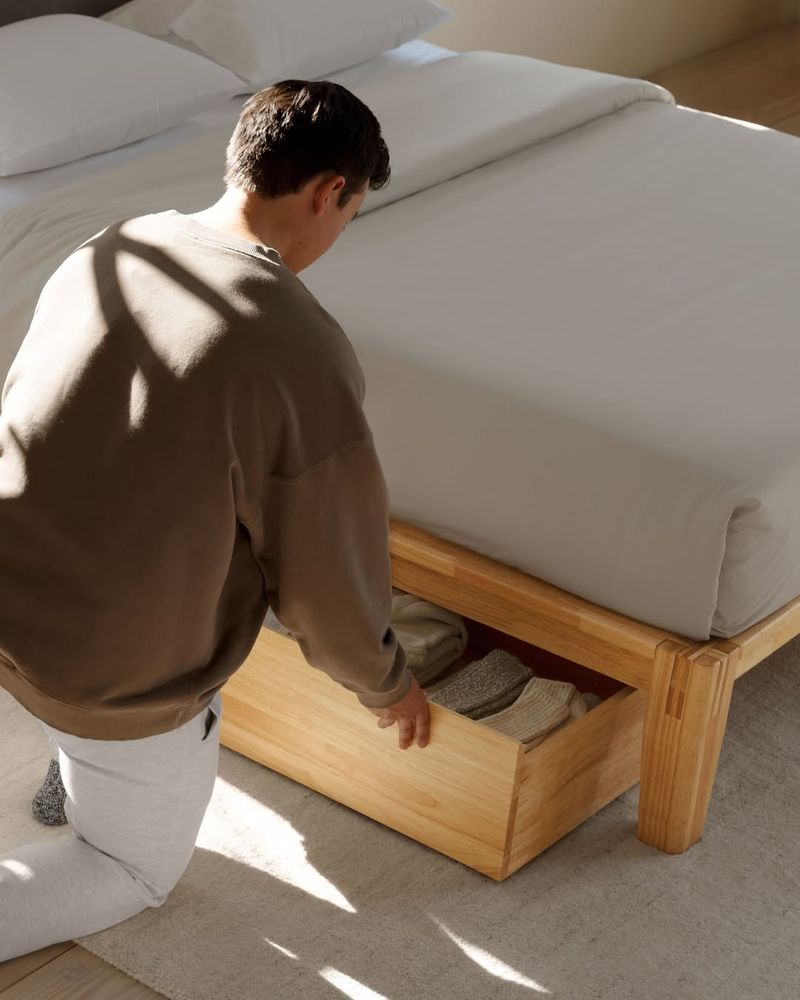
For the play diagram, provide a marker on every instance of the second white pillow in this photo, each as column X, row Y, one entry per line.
column 264, row 42
column 151, row 17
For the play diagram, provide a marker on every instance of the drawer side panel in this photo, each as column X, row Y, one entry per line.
column 576, row 772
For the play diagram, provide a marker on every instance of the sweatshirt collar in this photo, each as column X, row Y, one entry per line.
column 210, row 235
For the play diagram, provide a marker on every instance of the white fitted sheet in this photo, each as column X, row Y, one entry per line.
column 580, row 356
column 582, row 360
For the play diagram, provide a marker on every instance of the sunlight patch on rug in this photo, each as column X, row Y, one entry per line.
column 350, row 987
column 245, row 830
column 493, row 965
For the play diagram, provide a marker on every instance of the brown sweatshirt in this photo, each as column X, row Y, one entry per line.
column 183, row 446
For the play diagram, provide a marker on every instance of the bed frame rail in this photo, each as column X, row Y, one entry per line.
column 689, row 683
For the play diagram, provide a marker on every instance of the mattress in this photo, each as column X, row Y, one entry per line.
column 574, row 306
column 581, row 360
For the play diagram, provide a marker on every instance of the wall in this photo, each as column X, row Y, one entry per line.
column 628, row 37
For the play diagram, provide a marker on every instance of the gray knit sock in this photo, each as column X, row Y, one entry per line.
column 48, row 802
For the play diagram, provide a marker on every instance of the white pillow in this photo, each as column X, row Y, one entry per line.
column 72, row 85
column 151, row 17
column 264, row 41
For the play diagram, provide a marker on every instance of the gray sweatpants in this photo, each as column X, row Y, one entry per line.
column 134, row 809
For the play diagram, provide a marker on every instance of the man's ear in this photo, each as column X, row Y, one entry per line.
column 326, row 189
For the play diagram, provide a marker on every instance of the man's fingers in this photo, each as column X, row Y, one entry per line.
column 406, row 735
column 409, row 728
column 423, row 728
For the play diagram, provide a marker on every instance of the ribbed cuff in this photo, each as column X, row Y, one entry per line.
column 385, row 698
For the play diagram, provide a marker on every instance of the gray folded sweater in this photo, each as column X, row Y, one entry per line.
column 483, row 686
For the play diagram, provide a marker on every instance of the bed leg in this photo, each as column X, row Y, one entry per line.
column 684, row 726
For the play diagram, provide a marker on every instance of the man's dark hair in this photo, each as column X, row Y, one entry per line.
column 296, row 129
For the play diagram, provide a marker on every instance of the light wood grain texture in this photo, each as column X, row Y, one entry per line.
column 18, row 968
column 685, row 723
column 756, row 643
column 472, row 793
column 576, row 772
column 454, row 795
column 790, row 125
column 756, row 80
column 524, row 606
column 78, row 975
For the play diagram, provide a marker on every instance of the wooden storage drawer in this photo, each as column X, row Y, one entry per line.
column 472, row 793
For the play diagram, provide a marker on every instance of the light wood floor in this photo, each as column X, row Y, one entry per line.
column 756, row 80
column 67, row 972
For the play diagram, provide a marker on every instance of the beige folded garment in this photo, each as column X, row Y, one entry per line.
column 432, row 637
column 494, row 705
column 532, row 715
column 577, row 706
column 562, row 692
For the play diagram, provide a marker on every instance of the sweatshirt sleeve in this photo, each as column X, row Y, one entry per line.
column 324, row 553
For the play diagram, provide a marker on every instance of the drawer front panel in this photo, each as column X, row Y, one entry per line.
column 456, row 795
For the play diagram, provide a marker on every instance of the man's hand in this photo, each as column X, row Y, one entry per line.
column 411, row 714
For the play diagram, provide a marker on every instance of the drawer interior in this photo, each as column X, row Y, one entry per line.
column 482, row 639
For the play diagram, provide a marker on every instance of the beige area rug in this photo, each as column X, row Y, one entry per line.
column 290, row 895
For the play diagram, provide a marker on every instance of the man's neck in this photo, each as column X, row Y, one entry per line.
column 224, row 224
column 235, row 214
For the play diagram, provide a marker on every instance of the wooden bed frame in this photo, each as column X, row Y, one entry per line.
column 688, row 683
column 474, row 794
